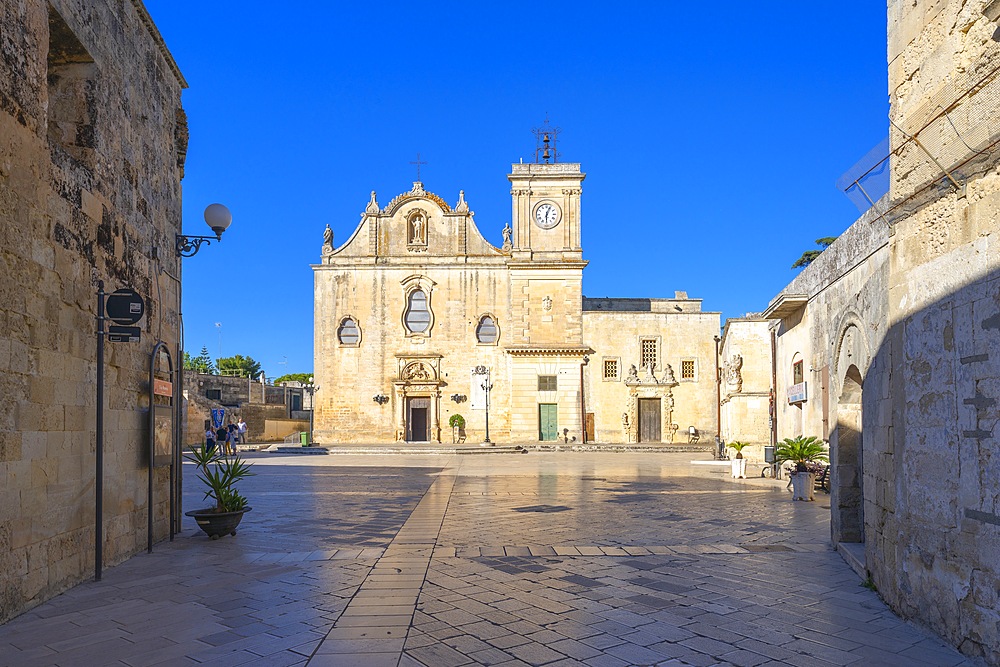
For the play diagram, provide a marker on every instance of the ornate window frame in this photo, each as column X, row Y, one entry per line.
column 410, row 285
column 340, row 326
column 496, row 341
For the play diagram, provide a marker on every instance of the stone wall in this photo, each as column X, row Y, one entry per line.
column 745, row 355
column 942, row 532
column 92, row 143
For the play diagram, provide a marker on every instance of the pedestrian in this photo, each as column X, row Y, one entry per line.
column 223, row 438
column 209, row 439
column 234, row 436
column 242, row 426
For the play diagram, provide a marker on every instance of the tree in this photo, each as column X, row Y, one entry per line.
column 809, row 255
column 293, row 377
column 200, row 364
column 238, row 366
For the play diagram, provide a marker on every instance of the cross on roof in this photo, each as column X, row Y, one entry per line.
column 418, row 163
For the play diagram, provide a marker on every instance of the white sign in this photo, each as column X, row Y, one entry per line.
column 477, row 395
column 797, row 393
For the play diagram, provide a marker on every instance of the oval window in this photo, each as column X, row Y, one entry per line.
column 418, row 317
column 348, row 333
column 486, row 332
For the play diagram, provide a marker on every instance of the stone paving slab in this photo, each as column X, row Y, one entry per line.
column 549, row 559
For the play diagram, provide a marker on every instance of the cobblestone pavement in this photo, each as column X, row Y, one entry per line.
column 539, row 559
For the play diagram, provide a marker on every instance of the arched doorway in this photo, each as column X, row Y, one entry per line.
column 847, row 488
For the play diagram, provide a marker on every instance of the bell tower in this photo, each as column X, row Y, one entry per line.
column 545, row 198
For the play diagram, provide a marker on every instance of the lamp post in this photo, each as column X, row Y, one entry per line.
column 311, row 388
column 218, row 218
column 487, row 387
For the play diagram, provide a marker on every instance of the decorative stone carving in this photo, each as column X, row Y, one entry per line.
column 327, row 241
column 417, row 371
column 625, row 426
column 633, row 375
column 372, row 208
column 668, row 375
column 507, row 245
column 650, row 377
column 547, row 304
column 731, row 369
column 417, row 192
column 461, row 206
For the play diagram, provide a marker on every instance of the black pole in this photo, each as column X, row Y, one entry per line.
column 99, row 473
column 488, row 386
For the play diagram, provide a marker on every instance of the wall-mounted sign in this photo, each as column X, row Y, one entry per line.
column 797, row 393
column 125, row 306
column 118, row 334
column 162, row 388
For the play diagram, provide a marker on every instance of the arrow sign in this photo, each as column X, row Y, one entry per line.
column 125, row 306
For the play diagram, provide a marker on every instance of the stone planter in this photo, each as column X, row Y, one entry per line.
column 216, row 524
column 739, row 468
column 802, row 485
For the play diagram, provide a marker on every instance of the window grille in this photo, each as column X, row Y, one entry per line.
column 547, row 383
column 610, row 369
column 687, row 369
column 648, row 352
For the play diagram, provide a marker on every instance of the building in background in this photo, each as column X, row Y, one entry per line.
column 417, row 315
column 92, row 148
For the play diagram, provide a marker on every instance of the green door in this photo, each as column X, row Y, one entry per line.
column 548, row 422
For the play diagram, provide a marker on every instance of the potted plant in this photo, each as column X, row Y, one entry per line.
column 739, row 463
column 220, row 474
column 457, row 423
column 802, row 451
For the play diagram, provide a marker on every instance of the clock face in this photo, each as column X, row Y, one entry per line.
column 547, row 215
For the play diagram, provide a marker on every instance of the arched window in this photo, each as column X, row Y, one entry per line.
column 486, row 332
column 418, row 316
column 348, row 332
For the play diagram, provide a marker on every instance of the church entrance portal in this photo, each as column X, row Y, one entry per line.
column 417, row 423
column 649, row 420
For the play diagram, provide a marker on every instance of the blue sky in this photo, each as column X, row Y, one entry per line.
column 711, row 137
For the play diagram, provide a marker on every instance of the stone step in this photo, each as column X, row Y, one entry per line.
column 431, row 449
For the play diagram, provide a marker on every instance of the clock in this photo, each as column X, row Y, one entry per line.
column 547, row 215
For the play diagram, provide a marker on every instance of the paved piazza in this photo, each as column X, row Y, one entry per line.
column 556, row 559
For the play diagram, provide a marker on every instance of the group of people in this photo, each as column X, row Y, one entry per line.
column 226, row 437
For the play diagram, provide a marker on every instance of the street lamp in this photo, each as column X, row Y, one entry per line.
column 487, row 387
column 312, row 389
column 218, row 218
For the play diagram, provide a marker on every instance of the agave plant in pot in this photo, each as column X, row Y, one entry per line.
column 220, row 475
column 802, row 451
column 738, row 462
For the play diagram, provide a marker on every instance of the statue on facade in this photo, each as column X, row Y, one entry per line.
column 418, row 230
column 633, row 374
column 328, row 241
column 734, row 377
column 507, row 232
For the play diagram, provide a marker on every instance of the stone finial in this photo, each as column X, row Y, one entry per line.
column 461, row 206
column 372, row 208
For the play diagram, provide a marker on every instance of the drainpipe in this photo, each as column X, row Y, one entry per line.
column 774, row 388
column 718, row 394
column 583, row 404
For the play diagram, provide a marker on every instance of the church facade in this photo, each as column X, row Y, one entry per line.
column 419, row 318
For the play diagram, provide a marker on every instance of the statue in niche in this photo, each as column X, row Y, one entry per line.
column 417, row 227
column 668, row 375
column 328, row 241
column 507, row 231
column 732, row 369
column 633, row 374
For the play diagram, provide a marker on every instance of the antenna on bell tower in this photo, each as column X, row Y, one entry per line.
column 545, row 135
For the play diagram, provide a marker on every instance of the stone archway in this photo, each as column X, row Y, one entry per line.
column 847, row 522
